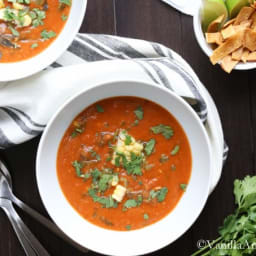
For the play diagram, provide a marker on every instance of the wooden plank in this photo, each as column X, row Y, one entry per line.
column 100, row 17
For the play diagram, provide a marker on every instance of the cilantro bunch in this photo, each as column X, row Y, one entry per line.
column 239, row 229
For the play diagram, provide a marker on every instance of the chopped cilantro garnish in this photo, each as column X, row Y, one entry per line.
column 104, row 182
column 132, row 203
column 108, row 158
column 37, row 17
column 66, row 2
column 128, row 140
column 33, row 46
column 64, row 17
column 128, row 227
column 175, row 150
column 183, row 186
column 159, row 194
column 145, row 216
column 14, row 31
column 133, row 167
column 150, row 147
column 99, row 108
column 139, row 113
column 106, row 202
column 78, row 167
column 47, row 34
column 164, row 158
column 165, row 130
column 76, row 132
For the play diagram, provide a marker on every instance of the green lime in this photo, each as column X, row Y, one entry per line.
column 234, row 6
column 211, row 10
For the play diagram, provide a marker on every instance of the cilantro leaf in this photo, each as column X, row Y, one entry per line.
column 165, row 130
column 78, row 167
column 99, row 108
column 245, row 192
column 128, row 140
column 159, row 194
column 104, row 182
column 150, row 147
column 139, row 113
column 145, row 216
column 47, row 34
column 106, row 202
column 183, row 186
column 66, row 2
column 175, row 150
column 132, row 203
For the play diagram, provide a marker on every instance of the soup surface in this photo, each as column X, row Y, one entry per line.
column 124, row 163
column 27, row 27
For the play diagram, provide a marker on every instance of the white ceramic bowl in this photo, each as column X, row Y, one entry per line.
column 22, row 69
column 206, row 47
column 152, row 237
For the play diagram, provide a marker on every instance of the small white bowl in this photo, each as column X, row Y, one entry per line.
column 17, row 70
column 207, row 48
column 143, row 240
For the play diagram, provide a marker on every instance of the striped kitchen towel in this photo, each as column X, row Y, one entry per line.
column 26, row 105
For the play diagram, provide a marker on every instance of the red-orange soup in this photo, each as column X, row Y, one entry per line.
column 112, row 187
column 27, row 28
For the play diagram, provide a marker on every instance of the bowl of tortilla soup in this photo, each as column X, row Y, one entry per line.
column 122, row 164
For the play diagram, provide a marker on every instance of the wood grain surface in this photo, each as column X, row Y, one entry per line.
column 234, row 95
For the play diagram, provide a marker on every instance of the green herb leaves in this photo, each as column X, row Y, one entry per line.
column 150, row 147
column 165, row 130
column 106, row 202
column 66, row 2
column 37, row 17
column 238, row 228
column 159, row 194
column 139, row 113
column 183, row 186
column 128, row 139
column 78, row 167
column 175, row 150
column 46, row 35
column 99, row 108
column 131, row 203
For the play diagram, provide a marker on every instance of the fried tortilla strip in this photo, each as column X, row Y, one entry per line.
column 228, row 32
column 232, row 44
column 214, row 38
column 214, row 25
column 250, row 39
column 244, row 14
column 245, row 24
column 253, row 18
column 245, row 55
column 237, row 54
column 227, row 64
column 251, row 57
column 229, row 22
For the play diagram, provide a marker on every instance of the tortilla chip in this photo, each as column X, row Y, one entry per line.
column 230, row 45
column 245, row 55
column 244, row 14
column 214, row 25
column 250, row 39
column 214, row 38
column 237, row 54
column 228, row 32
column 229, row 22
column 227, row 64
column 253, row 18
column 251, row 57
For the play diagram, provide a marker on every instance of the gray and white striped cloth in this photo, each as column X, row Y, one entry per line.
column 26, row 105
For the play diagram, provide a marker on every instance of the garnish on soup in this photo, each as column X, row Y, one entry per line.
column 122, row 176
column 27, row 27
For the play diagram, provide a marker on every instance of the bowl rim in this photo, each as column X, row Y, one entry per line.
column 206, row 47
column 160, row 244
column 15, row 70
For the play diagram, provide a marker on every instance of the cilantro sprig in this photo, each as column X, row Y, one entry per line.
column 165, row 130
column 238, row 228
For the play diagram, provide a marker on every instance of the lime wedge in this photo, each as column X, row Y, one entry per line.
column 211, row 10
column 234, row 6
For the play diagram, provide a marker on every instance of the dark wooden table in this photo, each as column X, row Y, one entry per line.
column 234, row 95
